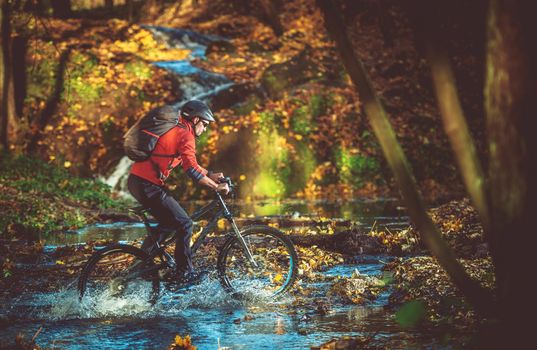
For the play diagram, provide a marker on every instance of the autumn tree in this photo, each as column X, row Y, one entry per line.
column 8, row 122
column 503, row 195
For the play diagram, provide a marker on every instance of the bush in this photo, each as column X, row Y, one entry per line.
column 356, row 169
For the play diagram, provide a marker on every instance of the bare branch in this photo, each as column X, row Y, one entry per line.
column 456, row 127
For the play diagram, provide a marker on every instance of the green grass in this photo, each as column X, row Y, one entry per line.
column 139, row 69
column 80, row 67
column 37, row 197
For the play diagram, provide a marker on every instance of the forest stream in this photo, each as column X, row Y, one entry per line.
column 205, row 311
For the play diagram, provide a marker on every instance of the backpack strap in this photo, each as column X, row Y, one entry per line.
column 175, row 155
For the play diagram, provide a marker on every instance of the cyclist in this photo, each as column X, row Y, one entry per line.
column 146, row 183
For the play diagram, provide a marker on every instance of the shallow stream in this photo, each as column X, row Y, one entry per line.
column 206, row 312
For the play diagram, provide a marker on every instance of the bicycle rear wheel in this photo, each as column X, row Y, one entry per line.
column 122, row 272
column 273, row 272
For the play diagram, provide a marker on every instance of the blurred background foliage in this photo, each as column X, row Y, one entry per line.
column 290, row 126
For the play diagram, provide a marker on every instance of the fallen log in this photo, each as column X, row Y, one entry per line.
column 350, row 242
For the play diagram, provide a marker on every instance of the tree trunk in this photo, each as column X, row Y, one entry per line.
column 510, row 103
column 3, row 115
column 130, row 10
column 8, row 121
column 272, row 16
column 61, row 8
column 53, row 101
column 20, row 48
column 479, row 297
column 151, row 8
column 109, row 4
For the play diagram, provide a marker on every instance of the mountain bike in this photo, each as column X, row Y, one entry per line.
column 256, row 261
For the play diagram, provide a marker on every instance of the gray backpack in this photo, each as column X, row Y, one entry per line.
column 140, row 140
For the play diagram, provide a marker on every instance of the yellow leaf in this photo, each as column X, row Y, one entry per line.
column 277, row 278
column 178, row 340
column 221, row 224
column 59, row 262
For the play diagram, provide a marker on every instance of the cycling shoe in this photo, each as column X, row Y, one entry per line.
column 193, row 277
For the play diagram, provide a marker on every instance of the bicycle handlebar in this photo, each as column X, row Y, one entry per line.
column 229, row 183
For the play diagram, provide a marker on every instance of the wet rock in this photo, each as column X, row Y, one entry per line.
column 220, row 46
column 4, row 321
column 345, row 343
column 323, row 308
column 299, row 69
column 357, row 289
column 235, row 94
column 110, row 216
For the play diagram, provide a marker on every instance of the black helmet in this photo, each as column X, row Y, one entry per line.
column 196, row 108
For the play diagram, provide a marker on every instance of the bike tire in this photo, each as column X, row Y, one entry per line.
column 121, row 271
column 277, row 258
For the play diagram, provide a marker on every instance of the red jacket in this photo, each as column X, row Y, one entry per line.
column 180, row 144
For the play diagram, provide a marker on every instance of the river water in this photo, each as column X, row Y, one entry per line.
column 383, row 214
column 206, row 312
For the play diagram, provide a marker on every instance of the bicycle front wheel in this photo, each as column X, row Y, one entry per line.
column 119, row 273
column 271, row 271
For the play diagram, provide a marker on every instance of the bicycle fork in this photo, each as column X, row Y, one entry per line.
column 242, row 242
column 240, row 238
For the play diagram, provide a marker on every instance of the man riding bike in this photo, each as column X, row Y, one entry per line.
column 146, row 183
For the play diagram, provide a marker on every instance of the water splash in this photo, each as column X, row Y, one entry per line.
column 209, row 294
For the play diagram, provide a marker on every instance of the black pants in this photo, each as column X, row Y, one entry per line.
column 171, row 217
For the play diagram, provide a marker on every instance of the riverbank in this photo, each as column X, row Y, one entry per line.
column 38, row 198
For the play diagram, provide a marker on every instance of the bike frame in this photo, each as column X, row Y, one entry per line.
column 223, row 212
